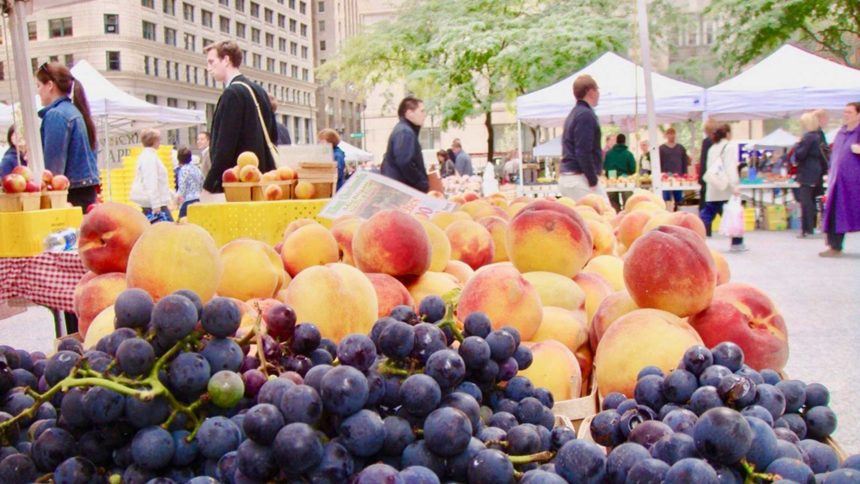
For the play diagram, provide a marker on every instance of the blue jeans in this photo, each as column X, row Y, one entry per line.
column 165, row 215
column 709, row 213
column 677, row 194
column 183, row 210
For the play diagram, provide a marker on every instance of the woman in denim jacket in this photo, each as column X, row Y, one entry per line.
column 68, row 132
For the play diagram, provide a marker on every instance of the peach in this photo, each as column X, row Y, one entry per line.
column 555, row 368
column 644, row 337
column 338, row 298
column 169, row 257
column 498, row 228
column 389, row 293
column 724, row 274
column 491, row 211
column 444, row 219
column 670, row 268
column 475, row 206
column 598, row 203
column 569, row 202
column 108, row 233
column 748, row 317
column 588, row 212
column 613, row 307
column 60, row 182
column 431, row 284
column 679, row 219
column 547, row 236
column 297, row 224
column 273, row 192
column 252, row 269
column 92, row 296
column 648, row 206
column 557, row 290
column 470, row 243
column 610, row 267
column 631, row 227
column 309, row 245
column 250, row 174
column 470, row 196
column 102, row 325
column 458, row 199
column 602, row 238
column 285, row 173
column 343, row 233
column 460, row 270
column 585, row 357
column 643, row 196
column 439, row 244
column 514, row 208
column 392, row 242
column 305, row 190
column 596, row 290
column 247, row 158
column 503, row 294
column 562, row 325
column 14, row 183
column 230, row 175
column 498, row 200
column 270, row 176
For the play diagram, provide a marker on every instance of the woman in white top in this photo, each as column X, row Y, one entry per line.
column 722, row 179
column 150, row 188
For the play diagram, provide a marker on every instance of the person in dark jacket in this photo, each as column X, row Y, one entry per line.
column 581, row 160
column 283, row 132
column 331, row 137
column 620, row 160
column 709, row 128
column 236, row 122
column 810, row 159
column 403, row 160
column 10, row 157
column 446, row 166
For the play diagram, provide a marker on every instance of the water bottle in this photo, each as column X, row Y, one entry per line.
column 61, row 240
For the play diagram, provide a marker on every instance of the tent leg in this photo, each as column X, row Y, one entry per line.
column 24, row 82
column 645, row 48
column 521, row 189
column 107, row 158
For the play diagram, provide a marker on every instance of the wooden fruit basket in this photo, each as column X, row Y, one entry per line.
column 54, row 199
column 323, row 175
column 243, row 192
column 20, row 202
column 287, row 187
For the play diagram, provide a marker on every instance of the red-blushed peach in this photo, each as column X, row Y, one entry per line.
column 724, row 274
column 602, row 237
column 585, row 357
column 598, row 203
column 439, row 244
column 444, row 219
column 108, row 233
column 613, row 307
column 101, row 326
column 610, row 267
column 670, row 268
column 548, row 236
column 338, row 298
column 514, row 208
column 505, row 296
column 343, row 232
column 460, row 270
column 470, row 196
column 169, row 257
column 297, row 224
column 471, row 243
column 252, row 269
column 569, row 202
column 596, row 290
column 678, row 219
column 431, row 284
column 309, row 245
column 557, row 290
column 93, row 296
column 389, row 293
column 555, row 368
column 644, row 337
column 474, row 207
column 498, row 200
column 631, row 226
column 392, row 242
column 745, row 315
column 645, row 197
column 458, row 199
column 562, row 325
column 253, row 309
column 491, row 211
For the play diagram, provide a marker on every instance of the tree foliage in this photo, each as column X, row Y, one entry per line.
column 756, row 27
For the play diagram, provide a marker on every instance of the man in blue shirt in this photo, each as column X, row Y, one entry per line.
column 581, row 161
column 462, row 160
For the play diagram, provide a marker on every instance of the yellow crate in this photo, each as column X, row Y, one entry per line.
column 23, row 233
column 263, row 221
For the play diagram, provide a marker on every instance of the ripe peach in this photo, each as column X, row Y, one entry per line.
column 230, row 175
column 439, row 244
column 547, row 236
column 470, row 243
column 389, row 293
column 431, row 284
column 392, row 242
column 96, row 294
column 613, row 307
column 444, row 219
column 309, row 245
column 644, row 337
column 101, row 326
column 247, row 158
column 724, row 274
column 297, row 224
column 273, row 192
column 610, row 267
column 285, row 173
column 557, row 290
column 631, row 227
column 670, row 268
column 460, row 270
column 602, row 237
column 305, row 190
column 498, row 228
column 252, row 269
column 503, row 294
column 596, row 290
column 108, row 234
column 555, row 368
column 250, row 174
column 562, row 325
column 343, row 232
column 748, row 317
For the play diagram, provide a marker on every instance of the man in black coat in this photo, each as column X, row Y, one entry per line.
column 581, row 157
column 403, row 160
column 236, row 123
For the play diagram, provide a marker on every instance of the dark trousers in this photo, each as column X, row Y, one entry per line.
column 168, row 217
column 82, row 197
column 709, row 213
column 834, row 239
column 183, row 210
column 806, row 196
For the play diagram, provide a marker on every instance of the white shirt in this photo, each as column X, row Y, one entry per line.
column 231, row 79
column 150, row 188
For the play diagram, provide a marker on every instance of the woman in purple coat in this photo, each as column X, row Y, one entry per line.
column 842, row 210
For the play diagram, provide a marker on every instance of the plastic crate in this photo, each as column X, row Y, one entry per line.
column 264, row 221
column 23, row 233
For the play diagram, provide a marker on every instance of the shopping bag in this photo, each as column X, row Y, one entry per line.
column 732, row 224
column 161, row 216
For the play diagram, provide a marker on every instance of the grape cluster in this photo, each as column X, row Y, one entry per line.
column 174, row 394
column 712, row 420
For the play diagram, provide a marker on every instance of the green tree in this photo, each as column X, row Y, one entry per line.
column 756, row 27
column 463, row 55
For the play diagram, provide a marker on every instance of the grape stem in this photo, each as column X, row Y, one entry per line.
column 258, row 340
column 753, row 477
column 387, row 368
column 528, row 459
column 501, row 443
column 452, row 299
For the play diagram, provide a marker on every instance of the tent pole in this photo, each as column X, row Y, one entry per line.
column 24, row 82
column 107, row 158
column 521, row 190
column 645, row 47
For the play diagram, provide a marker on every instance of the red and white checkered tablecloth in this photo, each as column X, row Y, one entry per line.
column 48, row 279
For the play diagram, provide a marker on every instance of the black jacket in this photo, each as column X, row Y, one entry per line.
column 580, row 143
column 809, row 159
column 403, row 160
column 236, row 128
column 283, row 135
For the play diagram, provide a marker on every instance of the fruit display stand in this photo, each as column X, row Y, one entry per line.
column 323, row 176
column 116, row 182
column 264, row 221
column 578, row 410
column 243, row 192
column 23, row 233
column 19, row 202
column 54, row 199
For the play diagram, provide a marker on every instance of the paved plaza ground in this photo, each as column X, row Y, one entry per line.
column 819, row 298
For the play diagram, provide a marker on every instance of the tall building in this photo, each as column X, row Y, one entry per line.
column 334, row 22
column 153, row 49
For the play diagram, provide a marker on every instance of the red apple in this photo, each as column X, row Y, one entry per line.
column 60, row 182
column 14, row 183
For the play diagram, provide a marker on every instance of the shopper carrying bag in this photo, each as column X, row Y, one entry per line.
column 732, row 222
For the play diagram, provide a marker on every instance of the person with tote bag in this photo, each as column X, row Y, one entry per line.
column 722, row 181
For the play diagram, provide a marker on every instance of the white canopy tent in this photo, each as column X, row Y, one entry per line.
column 780, row 138
column 785, row 84
column 549, row 148
column 354, row 153
column 622, row 96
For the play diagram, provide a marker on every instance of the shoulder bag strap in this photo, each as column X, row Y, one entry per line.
column 272, row 148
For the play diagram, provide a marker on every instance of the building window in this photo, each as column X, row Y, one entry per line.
column 255, row 9
column 283, row 68
column 282, row 21
column 293, row 4
column 207, row 18
column 270, row 41
column 112, row 60
column 172, row 102
column 226, row 3
column 303, row 8
column 190, row 42
column 305, row 75
column 269, row 15
column 322, row 25
column 270, row 64
column 187, row 73
column 195, row 76
column 240, row 5
column 304, row 52
column 34, row 64
column 294, row 72
column 31, row 30
column 240, row 30
column 176, row 71
column 192, row 105
column 60, row 27
column 170, row 36
column 167, row 68
column 69, row 59
column 304, row 30
column 255, row 35
column 321, row 6
column 111, row 23
column 322, row 45
column 54, row 58
column 293, row 25
column 155, row 66
column 152, row 99
column 148, row 30
column 207, row 42
column 225, row 24
column 294, row 48
column 169, row 7
column 258, row 61
column 148, row 3
column 282, row 44
column 710, row 29
column 188, row 12
column 146, row 65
